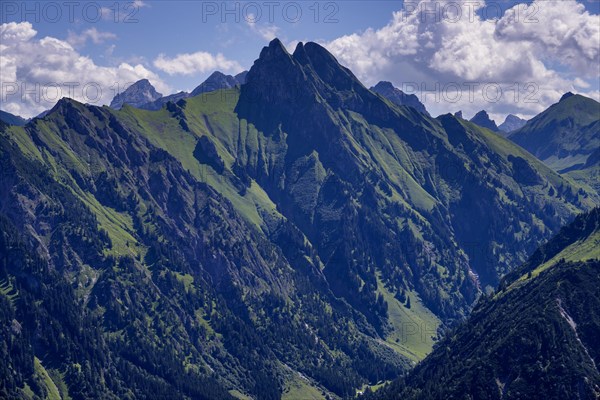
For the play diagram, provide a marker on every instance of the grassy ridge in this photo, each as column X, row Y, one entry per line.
column 538, row 339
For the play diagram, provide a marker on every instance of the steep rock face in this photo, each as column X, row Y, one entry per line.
column 397, row 96
column 172, row 269
column 537, row 337
column 483, row 119
column 296, row 224
column 311, row 82
column 136, row 95
column 357, row 143
column 512, row 123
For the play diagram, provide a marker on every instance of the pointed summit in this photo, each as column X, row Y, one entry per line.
column 136, row 95
column 241, row 77
column 483, row 119
column 277, row 44
column 300, row 53
column 274, row 77
column 383, row 85
column 566, row 96
column 216, row 81
column 64, row 103
column 512, row 123
column 273, row 58
column 274, row 50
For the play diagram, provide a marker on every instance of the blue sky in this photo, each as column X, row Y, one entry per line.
column 175, row 27
column 364, row 35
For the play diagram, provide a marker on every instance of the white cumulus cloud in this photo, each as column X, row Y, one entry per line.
column 444, row 51
column 265, row 31
column 93, row 34
column 35, row 73
column 192, row 63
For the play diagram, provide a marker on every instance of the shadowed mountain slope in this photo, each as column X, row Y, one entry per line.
column 538, row 337
column 250, row 240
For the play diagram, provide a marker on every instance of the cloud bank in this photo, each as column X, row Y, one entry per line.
column 35, row 73
column 453, row 57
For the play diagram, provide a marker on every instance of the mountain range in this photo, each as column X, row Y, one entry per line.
column 152, row 100
column 537, row 336
column 511, row 122
column 564, row 135
column 294, row 236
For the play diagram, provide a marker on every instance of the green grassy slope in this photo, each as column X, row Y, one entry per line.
column 565, row 134
column 414, row 328
column 209, row 109
column 169, row 267
column 419, row 180
column 538, row 338
column 220, row 241
column 579, row 241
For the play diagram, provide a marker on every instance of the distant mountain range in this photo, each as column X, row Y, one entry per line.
column 143, row 95
column 271, row 239
column 512, row 123
column 12, row 119
column 136, row 95
column 537, row 337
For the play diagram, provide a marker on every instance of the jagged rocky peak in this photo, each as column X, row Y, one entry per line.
column 309, row 60
column 241, row 77
column 566, row 96
column 136, row 95
column 216, row 81
column 275, row 77
column 397, row 96
column 512, row 123
column 384, row 85
column 311, row 72
column 326, row 66
column 274, row 53
column 459, row 114
column 65, row 103
column 483, row 119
